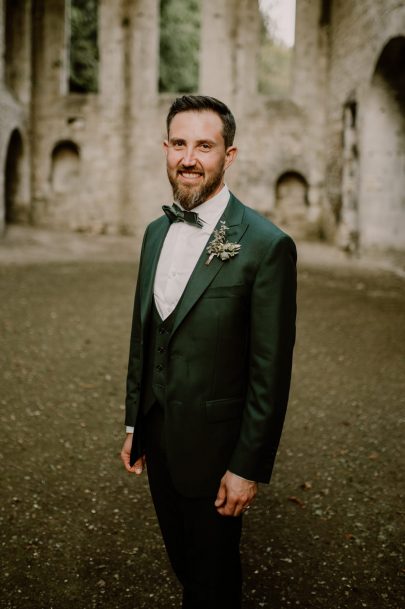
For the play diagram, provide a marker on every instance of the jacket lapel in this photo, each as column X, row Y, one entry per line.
column 151, row 257
column 203, row 275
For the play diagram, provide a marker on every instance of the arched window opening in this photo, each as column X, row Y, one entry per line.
column 180, row 22
column 382, row 175
column 13, row 177
column 276, row 47
column 292, row 202
column 84, row 55
column 65, row 172
column 347, row 213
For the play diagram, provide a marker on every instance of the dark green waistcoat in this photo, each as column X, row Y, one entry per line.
column 154, row 381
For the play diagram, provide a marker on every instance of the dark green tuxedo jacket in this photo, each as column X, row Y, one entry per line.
column 229, row 357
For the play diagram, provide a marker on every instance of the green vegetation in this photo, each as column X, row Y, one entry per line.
column 83, row 47
column 179, row 45
column 179, row 50
column 275, row 63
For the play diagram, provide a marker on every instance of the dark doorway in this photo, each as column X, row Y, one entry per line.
column 13, row 176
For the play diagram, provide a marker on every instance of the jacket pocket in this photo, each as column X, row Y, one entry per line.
column 225, row 291
column 225, row 409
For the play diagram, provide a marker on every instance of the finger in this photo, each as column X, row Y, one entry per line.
column 241, row 509
column 221, row 496
column 125, row 459
column 138, row 466
column 229, row 508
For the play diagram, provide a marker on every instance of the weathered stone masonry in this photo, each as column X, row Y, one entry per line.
column 326, row 162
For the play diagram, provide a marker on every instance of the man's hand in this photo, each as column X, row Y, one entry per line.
column 235, row 495
column 139, row 464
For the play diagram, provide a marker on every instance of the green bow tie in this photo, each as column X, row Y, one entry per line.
column 176, row 214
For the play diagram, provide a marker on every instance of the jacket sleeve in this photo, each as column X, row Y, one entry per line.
column 272, row 337
column 133, row 384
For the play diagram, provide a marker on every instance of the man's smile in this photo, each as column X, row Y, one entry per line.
column 189, row 176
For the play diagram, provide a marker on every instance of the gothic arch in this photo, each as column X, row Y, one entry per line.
column 382, row 152
column 291, row 197
column 65, row 167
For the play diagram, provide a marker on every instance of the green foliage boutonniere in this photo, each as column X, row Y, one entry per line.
column 221, row 248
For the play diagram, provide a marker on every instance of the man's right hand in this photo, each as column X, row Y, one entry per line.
column 139, row 464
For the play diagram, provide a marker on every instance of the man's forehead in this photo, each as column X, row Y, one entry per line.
column 192, row 123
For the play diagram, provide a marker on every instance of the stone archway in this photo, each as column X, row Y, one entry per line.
column 382, row 152
column 292, row 203
column 13, row 177
column 65, row 170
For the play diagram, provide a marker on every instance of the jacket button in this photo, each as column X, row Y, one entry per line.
column 159, row 368
column 161, row 349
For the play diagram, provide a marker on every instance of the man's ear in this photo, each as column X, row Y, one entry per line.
column 230, row 155
column 165, row 146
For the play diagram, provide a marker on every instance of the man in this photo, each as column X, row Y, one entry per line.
column 210, row 356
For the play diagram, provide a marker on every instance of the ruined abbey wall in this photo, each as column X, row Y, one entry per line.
column 349, row 74
column 325, row 162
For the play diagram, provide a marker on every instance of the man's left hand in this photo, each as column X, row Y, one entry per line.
column 235, row 495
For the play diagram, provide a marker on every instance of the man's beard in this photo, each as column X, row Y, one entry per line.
column 189, row 196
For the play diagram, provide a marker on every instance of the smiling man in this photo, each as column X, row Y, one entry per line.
column 210, row 357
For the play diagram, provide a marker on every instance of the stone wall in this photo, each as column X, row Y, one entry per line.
column 355, row 116
column 15, row 97
column 317, row 162
column 359, row 31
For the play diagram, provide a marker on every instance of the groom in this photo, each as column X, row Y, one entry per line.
column 211, row 346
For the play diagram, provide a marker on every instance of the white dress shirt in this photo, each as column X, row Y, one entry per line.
column 181, row 250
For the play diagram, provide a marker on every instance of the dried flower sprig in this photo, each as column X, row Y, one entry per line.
column 221, row 248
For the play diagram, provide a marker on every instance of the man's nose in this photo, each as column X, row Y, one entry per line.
column 189, row 157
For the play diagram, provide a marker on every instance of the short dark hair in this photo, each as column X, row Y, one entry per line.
column 199, row 103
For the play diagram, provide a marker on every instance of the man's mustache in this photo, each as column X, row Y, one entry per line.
column 190, row 170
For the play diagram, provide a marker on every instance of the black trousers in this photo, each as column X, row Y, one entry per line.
column 203, row 546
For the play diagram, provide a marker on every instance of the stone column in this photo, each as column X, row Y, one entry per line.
column 217, row 49
column 141, row 128
column 246, row 55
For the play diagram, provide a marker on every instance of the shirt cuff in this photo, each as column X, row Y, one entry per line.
column 129, row 429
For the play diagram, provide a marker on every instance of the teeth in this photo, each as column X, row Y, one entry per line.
column 190, row 175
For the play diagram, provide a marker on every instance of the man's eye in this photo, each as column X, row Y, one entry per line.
column 178, row 145
column 205, row 147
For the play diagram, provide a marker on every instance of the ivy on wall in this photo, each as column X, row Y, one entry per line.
column 84, row 54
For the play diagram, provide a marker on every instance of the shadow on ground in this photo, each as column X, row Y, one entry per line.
column 76, row 531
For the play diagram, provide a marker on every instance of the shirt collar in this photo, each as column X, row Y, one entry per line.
column 211, row 210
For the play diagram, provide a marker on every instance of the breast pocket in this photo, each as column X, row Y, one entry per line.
column 225, row 291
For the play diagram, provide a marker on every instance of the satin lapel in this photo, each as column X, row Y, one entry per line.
column 203, row 275
column 151, row 257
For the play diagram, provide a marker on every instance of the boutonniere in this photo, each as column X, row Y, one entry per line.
column 221, row 248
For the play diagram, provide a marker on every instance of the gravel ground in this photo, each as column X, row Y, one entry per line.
column 77, row 531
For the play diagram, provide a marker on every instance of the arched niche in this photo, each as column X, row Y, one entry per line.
column 13, row 177
column 382, row 154
column 291, row 196
column 65, row 167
